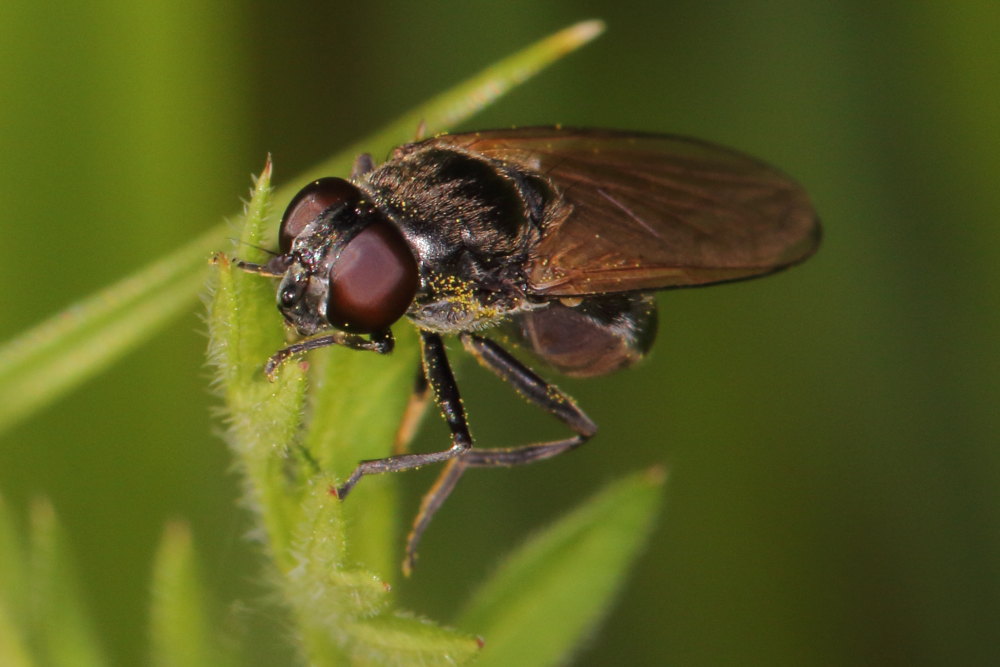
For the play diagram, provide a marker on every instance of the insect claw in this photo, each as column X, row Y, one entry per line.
column 271, row 367
column 408, row 563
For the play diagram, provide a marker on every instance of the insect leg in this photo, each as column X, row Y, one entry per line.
column 535, row 390
column 416, row 407
column 381, row 342
column 442, row 381
column 429, row 506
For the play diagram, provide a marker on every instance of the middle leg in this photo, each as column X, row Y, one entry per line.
column 442, row 383
column 536, row 391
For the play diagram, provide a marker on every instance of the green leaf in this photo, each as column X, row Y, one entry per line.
column 550, row 595
column 469, row 97
column 358, row 400
column 61, row 631
column 182, row 624
column 263, row 417
column 13, row 593
column 404, row 640
column 346, row 614
column 13, row 562
column 13, row 650
column 338, row 606
column 53, row 357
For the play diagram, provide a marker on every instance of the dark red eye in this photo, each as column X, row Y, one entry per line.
column 311, row 201
column 373, row 281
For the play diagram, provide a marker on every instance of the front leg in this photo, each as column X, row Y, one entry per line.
column 380, row 342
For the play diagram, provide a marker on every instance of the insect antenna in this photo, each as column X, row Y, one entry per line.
column 267, row 269
column 272, row 253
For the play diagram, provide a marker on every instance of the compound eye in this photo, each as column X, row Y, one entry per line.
column 310, row 202
column 373, row 281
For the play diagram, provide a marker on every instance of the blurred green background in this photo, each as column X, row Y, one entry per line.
column 831, row 432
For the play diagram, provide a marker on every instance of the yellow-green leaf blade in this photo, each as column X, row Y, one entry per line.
column 49, row 359
column 61, row 630
column 182, row 627
column 358, row 400
column 553, row 591
column 13, row 650
column 263, row 417
column 469, row 97
column 402, row 639
column 14, row 589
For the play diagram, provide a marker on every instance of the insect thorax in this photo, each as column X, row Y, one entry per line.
column 471, row 221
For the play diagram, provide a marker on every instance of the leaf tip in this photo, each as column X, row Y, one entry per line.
column 657, row 475
column 42, row 512
column 177, row 531
column 265, row 173
column 573, row 37
column 585, row 31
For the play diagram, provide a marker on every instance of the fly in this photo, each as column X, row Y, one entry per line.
column 556, row 236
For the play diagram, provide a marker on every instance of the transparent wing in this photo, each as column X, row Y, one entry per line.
column 648, row 211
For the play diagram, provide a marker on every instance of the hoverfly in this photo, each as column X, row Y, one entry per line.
column 556, row 236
